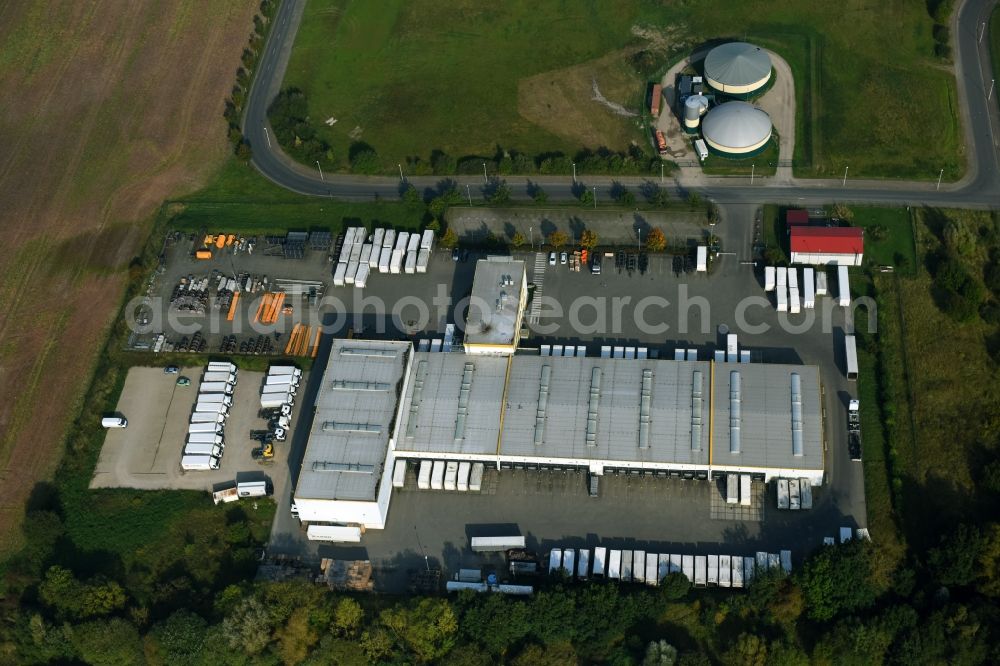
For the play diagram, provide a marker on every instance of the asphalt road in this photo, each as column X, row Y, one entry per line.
column 980, row 187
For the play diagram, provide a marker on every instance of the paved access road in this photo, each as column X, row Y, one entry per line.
column 980, row 121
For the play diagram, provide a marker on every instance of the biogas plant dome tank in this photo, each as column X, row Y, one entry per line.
column 736, row 129
column 737, row 68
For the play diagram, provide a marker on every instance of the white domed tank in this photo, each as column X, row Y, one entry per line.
column 738, row 69
column 695, row 107
column 736, row 130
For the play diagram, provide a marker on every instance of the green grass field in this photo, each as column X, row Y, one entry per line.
column 764, row 164
column 898, row 242
column 409, row 78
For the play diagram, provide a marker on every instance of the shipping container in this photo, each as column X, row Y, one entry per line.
column 352, row 271
column 806, row 493
column 654, row 101
column 821, row 289
column 410, row 263
column 748, row 570
column 786, row 561
column 496, row 543
column 701, row 149
column 732, row 348
column 782, row 490
column 809, row 288
column 423, row 259
column 781, row 294
column 737, row 571
column 338, row 275
column 676, row 562
column 402, row 240
column 384, row 260
column 746, row 486
column 555, row 560
column 377, row 239
column 732, row 489
column 389, row 239
column 396, row 262
column 652, row 564
column 662, row 566
column 769, row 278
column 626, row 565
column 761, row 561
column 845, row 534
column 462, row 482
column 451, row 475
column 700, row 571
column 361, row 278
column 781, row 277
column 334, row 533
column 794, row 301
column 793, row 494
column 773, row 561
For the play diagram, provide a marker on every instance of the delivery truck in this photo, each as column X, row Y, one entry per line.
column 202, row 449
column 199, row 463
column 220, row 376
column 114, row 422
column 208, row 417
column 222, row 366
column 276, row 370
column 216, row 387
column 205, row 438
column 214, row 398
column 209, row 427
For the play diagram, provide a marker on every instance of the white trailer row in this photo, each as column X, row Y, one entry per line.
column 738, row 489
column 461, row 476
column 793, row 494
column 279, row 388
column 639, row 566
column 384, row 251
column 205, row 438
column 791, row 296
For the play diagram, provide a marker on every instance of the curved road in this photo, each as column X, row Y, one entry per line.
column 980, row 187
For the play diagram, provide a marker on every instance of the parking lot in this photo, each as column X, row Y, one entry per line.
column 554, row 509
column 147, row 453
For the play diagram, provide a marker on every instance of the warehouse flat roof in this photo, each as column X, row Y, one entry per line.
column 494, row 307
column 356, row 409
column 624, row 410
column 452, row 404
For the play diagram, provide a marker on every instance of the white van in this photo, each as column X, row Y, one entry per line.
column 114, row 422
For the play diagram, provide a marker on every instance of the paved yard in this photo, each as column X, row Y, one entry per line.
column 147, row 454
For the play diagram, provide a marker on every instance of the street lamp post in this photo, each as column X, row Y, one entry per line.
column 531, row 238
column 485, row 177
column 401, row 179
column 844, row 184
column 982, row 32
column 990, row 96
column 752, row 168
column 595, row 197
column 468, row 191
column 320, row 170
column 639, row 246
column 268, row 137
column 661, row 173
column 939, row 179
column 574, row 173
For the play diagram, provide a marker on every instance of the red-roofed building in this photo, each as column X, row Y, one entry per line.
column 796, row 216
column 841, row 246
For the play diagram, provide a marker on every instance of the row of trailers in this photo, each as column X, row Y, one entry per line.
column 638, row 566
column 784, row 281
column 442, row 475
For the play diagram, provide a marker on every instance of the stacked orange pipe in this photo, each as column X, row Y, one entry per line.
column 315, row 349
column 232, row 306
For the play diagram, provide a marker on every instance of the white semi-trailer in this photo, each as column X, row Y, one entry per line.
column 205, row 438
column 713, row 569
column 496, row 543
column 216, row 387
column 782, row 493
column 569, row 561
column 555, row 560
column 222, row 366
column 220, row 376
column 276, row 370
column 600, row 558
column 583, row 564
column 437, row 475
column 208, row 417
column 769, row 278
column 424, row 475
column 208, row 427
column 202, row 449
column 281, row 380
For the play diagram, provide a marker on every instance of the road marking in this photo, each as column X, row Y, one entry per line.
column 538, row 277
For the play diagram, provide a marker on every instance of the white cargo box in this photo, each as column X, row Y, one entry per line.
column 427, row 240
column 402, row 240
column 769, row 278
column 413, row 244
column 199, row 463
column 424, row 475
column 806, row 494
column 744, row 356
column 720, row 355
column 746, row 484
column 701, row 148
column 583, row 564
column 737, row 571
column 639, row 566
column 569, row 561
column 794, row 302
column 366, row 255
column 355, row 253
column 845, row 534
column 361, row 278
column 700, row 570
column 781, row 277
column 732, row 489
column 615, row 564
column 389, row 239
column 662, row 566
column 748, row 568
column 821, row 289
column 809, row 288
column 202, row 449
column 352, row 270
column 437, row 475
column 462, row 482
column 423, row 258
column 396, row 262
column 384, row 260
column 781, row 292
column 476, row 477
column 399, row 474
column 334, row 533
column 208, row 417
column 793, row 277
column 339, row 274
column 761, row 561
column 793, row 494
column 786, row 561
column 702, row 263
column 378, row 237
column 713, row 569
column 652, row 560
column 773, row 561
column 600, row 555
column 843, row 287
column 732, row 348
column 626, row 565
column 782, row 486
column 555, row 560
column 687, row 567
column 410, row 265
column 676, row 563
column 451, row 475
column 725, row 571
column 496, row 543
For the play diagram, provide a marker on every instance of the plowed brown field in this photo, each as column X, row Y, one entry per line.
column 106, row 109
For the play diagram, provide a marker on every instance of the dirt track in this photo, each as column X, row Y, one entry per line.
column 105, row 110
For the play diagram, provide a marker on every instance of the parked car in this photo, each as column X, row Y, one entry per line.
column 183, row 381
column 171, row 370
column 563, row 258
column 454, row 254
column 552, row 258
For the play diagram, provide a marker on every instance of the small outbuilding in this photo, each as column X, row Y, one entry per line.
column 823, row 246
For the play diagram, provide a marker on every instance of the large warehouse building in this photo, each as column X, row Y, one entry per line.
column 738, row 69
column 384, row 401
column 736, row 130
column 824, row 246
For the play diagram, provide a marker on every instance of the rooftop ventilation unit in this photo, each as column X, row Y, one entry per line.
column 342, row 426
column 346, row 385
column 645, row 402
column 735, row 402
column 543, row 401
column 796, row 414
column 595, row 399
column 368, row 351
column 463, row 401
column 697, row 384
column 418, row 395
column 355, row 468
